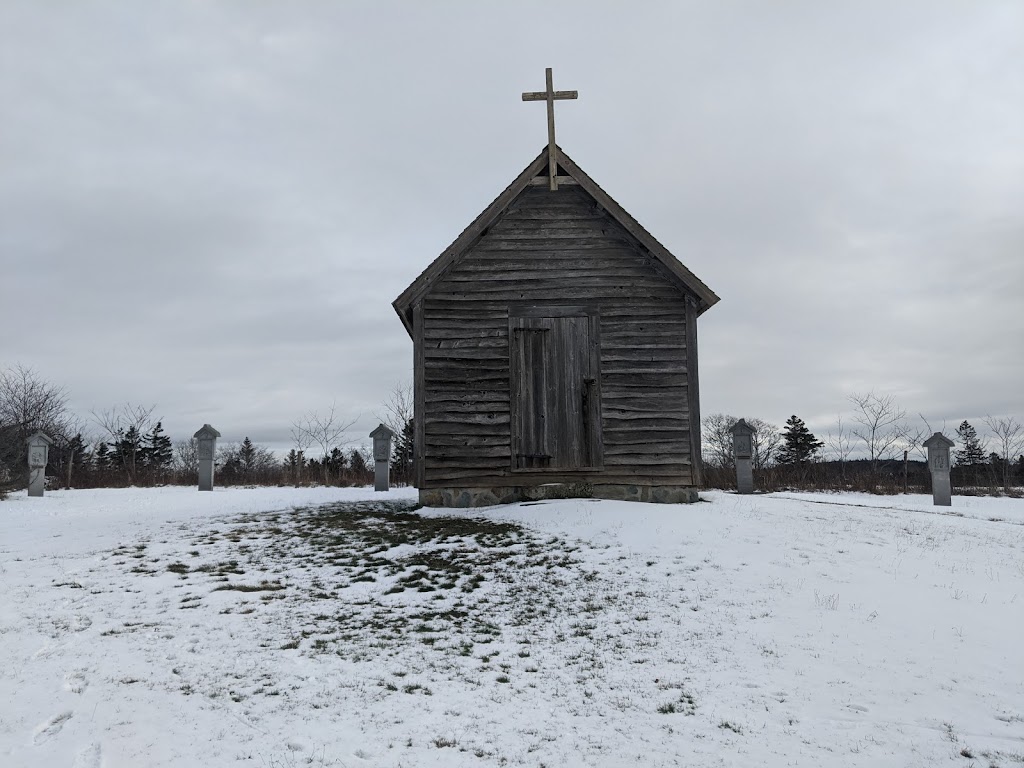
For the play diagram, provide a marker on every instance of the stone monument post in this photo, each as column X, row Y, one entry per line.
column 38, row 456
column 381, row 457
column 207, row 437
column 743, row 452
column 938, row 446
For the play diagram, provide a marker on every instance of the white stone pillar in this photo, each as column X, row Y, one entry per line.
column 38, row 457
column 207, row 449
column 743, row 452
column 938, row 446
column 382, row 457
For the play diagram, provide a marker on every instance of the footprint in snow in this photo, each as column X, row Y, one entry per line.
column 51, row 727
column 90, row 757
column 856, row 707
column 46, row 652
column 75, row 682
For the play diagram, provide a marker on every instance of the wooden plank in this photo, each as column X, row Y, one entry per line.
column 481, row 397
column 561, row 181
column 625, row 406
column 552, row 245
column 546, row 271
column 553, row 292
column 675, row 422
column 645, row 381
column 419, row 394
column 637, row 367
column 614, row 395
column 643, row 462
column 669, row 335
column 455, row 419
column 455, row 410
column 466, row 333
column 468, row 364
column 667, row 447
column 530, row 255
column 466, row 379
column 527, row 211
column 479, row 457
column 693, row 391
column 678, row 474
column 624, row 285
column 466, row 430
column 469, row 442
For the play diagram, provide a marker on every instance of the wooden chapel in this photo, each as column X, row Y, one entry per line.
column 555, row 350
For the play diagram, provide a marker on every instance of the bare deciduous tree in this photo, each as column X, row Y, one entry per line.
column 1009, row 438
column 880, row 426
column 398, row 408
column 716, row 431
column 327, row 432
column 186, row 457
column 840, row 446
column 119, row 422
column 28, row 403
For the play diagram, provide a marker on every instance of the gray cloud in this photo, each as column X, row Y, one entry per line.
column 210, row 206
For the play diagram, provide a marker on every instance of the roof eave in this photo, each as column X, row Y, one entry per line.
column 705, row 296
column 468, row 237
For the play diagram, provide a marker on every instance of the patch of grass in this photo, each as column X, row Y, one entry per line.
column 455, row 574
column 263, row 586
column 727, row 726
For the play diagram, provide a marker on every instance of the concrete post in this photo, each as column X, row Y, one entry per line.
column 382, row 457
column 38, row 456
column 743, row 452
column 938, row 446
column 207, row 437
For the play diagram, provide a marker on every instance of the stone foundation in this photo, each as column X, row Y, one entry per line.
column 485, row 497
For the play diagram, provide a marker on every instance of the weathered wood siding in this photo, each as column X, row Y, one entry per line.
column 554, row 249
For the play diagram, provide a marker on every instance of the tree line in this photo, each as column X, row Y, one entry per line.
column 127, row 446
column 876, row 450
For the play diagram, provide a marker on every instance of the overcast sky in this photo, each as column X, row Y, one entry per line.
column 209, row 206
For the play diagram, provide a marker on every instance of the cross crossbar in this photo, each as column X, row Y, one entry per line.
column 550, row 95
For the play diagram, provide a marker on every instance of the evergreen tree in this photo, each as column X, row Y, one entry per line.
column 76, row 457
column 157, row 451
column 402, row 453
column 799, row 443
column 973, row 452
column 101, row 457
column 336, row 463
column 358, row 464
column 996, row 469
column 247, row 457
column 294, row 463
column 127, row 449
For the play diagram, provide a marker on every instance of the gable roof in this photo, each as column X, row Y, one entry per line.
column 567, row 169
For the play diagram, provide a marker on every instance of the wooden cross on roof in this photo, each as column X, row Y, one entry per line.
column 550, row 96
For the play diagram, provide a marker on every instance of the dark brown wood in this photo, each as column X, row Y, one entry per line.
column 419, row 396
column 553, row 344
column 693, row 391
column 550, row 95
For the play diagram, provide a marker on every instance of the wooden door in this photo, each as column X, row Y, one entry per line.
column 555, row 394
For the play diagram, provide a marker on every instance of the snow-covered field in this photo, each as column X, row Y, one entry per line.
column 165, row 627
